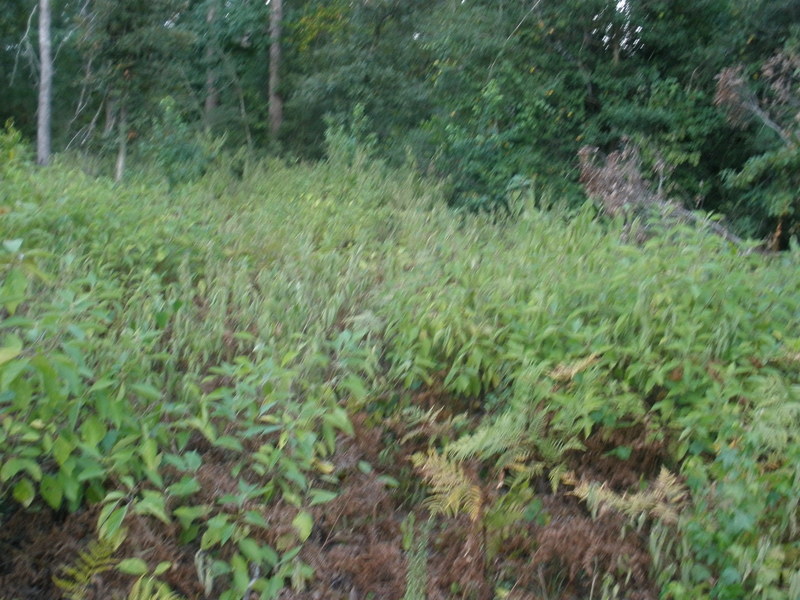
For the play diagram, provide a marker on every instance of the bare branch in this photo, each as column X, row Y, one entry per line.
column 616, row 180
column 510, row 35
column 734, row 95
column 25, row 46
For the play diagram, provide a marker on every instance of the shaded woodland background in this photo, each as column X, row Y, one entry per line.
column 403, row 300
column 495, row 95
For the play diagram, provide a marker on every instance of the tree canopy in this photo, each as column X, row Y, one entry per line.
column 493, row 94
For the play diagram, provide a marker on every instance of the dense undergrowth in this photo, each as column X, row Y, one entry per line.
column 314, row 381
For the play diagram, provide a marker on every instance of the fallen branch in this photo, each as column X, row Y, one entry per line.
column 616, row 181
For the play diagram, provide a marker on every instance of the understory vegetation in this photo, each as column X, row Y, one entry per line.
column 314, row 381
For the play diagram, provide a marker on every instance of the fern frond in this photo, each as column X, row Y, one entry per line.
column 552, row 449
column 504, row 434
column 662, row 501
column 97, row 558
column 147, row 588
column 452, row 490
column 567, row 371
column 417, row 571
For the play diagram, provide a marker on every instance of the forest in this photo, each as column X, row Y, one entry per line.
column 400, row 299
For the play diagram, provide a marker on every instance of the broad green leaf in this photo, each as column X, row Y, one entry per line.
column 148, row 449
column 303, row 523
column 146, row 391
column 93, row 431
column 152, row 503
column 229, row 443
column 251, row 549
column 110, row 520
column 132, row 566
column 12, row 293
column 24, row 492
column 355, row 385
column 51, row 490
column 11, row 371
column 184, row 487
column 188, row 514
column 339, row 419
column 321, row 496
column 9, row 352
column 91, row 470
column 15, row 465
column 255, row 518
column 218, row 531
column 241, row 574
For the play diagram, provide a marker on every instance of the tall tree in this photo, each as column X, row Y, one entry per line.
column 43, row 127
column 275, row 99
column 139, row 50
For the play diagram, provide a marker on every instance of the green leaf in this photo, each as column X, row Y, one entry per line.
column 251, row 549
column 101, row 384
column 303, row 523
column 161, row 568
column 188, row 514
column 229, row 443
column 13, row 291
column 132, row 566
column 148, row 449
column 9, row 352
column 51, row 490
column 110, row 520
column 184, row 487
column 255, row 518
column 152, row 503
column 218, row 531
column 339, row 419
column 730, row 576
column 11, row 371
column 15, row 465
column 146, row 391
column 355, row 385
column 93, row 431
column 388, row 481
column 91, row 470
column 23, row 492
column 321, row 496
column 241, row 574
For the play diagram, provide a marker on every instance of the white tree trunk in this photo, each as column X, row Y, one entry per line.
column 45, row 85
column 122, row 151
column 275, row 100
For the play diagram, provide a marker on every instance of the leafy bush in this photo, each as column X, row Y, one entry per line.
column 194, row 356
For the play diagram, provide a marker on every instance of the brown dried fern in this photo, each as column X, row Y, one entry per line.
column 662, row 501
column 452, row 491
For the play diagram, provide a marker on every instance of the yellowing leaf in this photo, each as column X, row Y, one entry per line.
column 303, row 523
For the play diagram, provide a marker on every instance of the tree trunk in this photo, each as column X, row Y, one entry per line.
column 45, row 85
column 122, row 151
column 275, row 100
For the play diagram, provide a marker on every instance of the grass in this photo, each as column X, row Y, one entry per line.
column 224, row 365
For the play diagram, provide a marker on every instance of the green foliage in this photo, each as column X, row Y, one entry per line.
column 147, row 588
column 176, row 150
column 415, row 544
column 97, row 558
column 768, row 180
column 196, row 352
